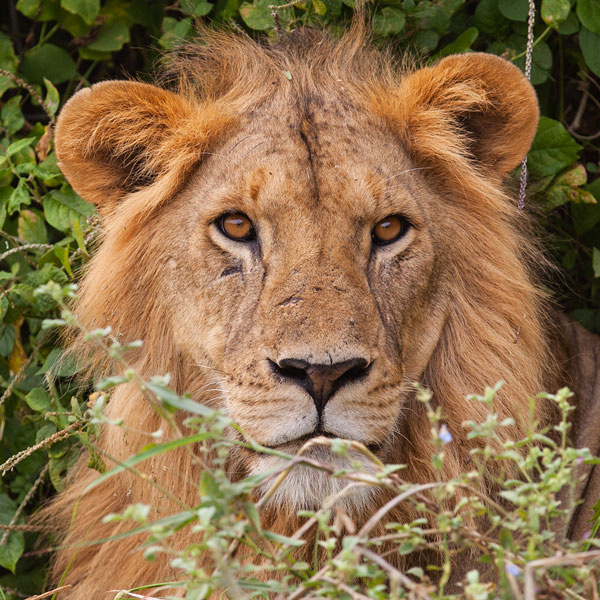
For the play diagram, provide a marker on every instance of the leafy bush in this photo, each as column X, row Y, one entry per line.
column 51, row 48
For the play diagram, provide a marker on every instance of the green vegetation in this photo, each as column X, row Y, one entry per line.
column 51, row 48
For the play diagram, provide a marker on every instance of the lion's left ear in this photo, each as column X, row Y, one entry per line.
column 474, row 106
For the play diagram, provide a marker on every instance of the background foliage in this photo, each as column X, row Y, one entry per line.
column 51, row 48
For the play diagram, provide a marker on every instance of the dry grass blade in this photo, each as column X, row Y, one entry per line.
column 554, row 561
column 17, row 458
column 50, row 593
column 372, row 522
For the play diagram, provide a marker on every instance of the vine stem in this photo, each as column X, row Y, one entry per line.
column 528, row 56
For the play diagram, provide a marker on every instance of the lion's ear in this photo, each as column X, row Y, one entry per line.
column 118, row 137
column 476, row 106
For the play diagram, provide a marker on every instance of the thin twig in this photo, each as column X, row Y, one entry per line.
column 282, row 6
column 393, row 572
column 25, row 247
column 542, row 563
column 23, row 504
column 346, row 588
column 372, row 522
column 56, row 437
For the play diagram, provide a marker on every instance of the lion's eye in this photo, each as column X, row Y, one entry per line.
column 389, row 230
column 237, row 226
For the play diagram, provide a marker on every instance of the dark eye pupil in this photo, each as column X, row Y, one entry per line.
column 237, row 226
column 389, row 230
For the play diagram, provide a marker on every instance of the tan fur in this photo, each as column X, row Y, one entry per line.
column 315, row 161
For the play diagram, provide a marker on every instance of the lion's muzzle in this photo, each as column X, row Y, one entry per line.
column 321, row 381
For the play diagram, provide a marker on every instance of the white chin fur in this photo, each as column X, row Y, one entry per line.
column 306, row 488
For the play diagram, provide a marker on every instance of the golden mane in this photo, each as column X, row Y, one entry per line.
column 496, row 328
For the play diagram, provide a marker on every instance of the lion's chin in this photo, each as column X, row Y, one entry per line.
column 307, row 487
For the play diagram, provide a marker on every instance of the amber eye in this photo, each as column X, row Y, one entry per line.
column 389, row 230
column 237, row 226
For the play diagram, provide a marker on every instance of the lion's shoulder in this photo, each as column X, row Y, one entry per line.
column 581, row 368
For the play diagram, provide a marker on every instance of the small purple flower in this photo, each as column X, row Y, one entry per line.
column 579, row 460
column 444, row 435
column 512, row 569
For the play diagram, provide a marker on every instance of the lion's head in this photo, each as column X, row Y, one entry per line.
column 300, row 232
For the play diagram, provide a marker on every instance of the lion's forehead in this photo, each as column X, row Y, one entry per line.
column 321, row 160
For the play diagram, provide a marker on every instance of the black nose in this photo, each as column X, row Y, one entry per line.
column 321, row 381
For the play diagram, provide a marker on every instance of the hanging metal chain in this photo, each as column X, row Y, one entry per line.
column 528, row 54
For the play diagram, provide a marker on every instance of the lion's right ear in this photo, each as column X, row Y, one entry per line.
column 118, row 137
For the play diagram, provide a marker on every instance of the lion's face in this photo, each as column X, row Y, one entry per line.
column 308, row 247
column 314, row 324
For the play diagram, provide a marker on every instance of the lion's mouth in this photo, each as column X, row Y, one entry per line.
column 298, row 442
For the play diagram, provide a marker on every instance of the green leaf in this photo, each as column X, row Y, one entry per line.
column 19, row 145
column 461, row 44
column 165, row 394
column 8, row 62
column 589, row 42
column 19, row 196
column 39, row 400
column 87, row 9
column 149, row 452
column 78, row 235
column 515, row 10
column 62, row 253
column 226, row 9
column 282, row 539
column 5, row 194
column 588, row 12
column 561, row 194
column 585, row 216
column 555, row 12
column 253, row 515
column 111, row 37
column 7, row 339
column 45, row 431
column 58, row 468
column 12, row 117
column 389, row 21
column 257, row 16
column 552, row 150
column 28, row 7
column 52, row 99
column 574, row 177
column 59, row 363
column 596, row 262
column 175, row 31
column 11, row 551
column 196, row 8
column 48, row 62
column 334, row 7
column 3, row 306
column 490, row 20
column 63, row 208
column 570, row 25
column 31, row 227
column 426, row 40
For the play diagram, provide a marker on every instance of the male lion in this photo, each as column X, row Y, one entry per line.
column 320, row 229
